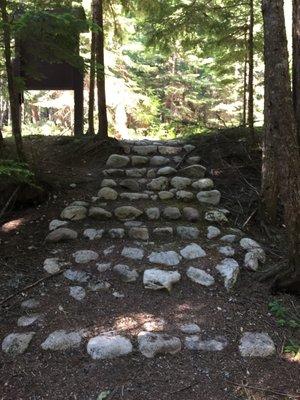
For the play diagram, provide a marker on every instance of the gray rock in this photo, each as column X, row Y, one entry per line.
column 97, row 286
column 61, row 341
column 159, row 184
column 80, row 203
column 184, row 195
column 253, row 258
column 170, row 258
column 249, row 244
column 28, row 320
column 192, row 252
column 126, row 273
column 191, row 214
column 195, row 343
column 140, row 233
column 30, row 304
column 227, row 251
column 153, row 213
column 61, row 235
column 117, row 161
column 134, row 196
column 136, row 172
column 103, row 267
column 108, row 346
column 108, row 183
column 169, row 150
column 52, row 265
column 166, row 171
column 215, row 216
column 133, row 224
column 109, row 250
column 194, row 171
column 229, row 269
column 229, row 238
column 17, row 343
column 151, row 344
column 189, row 148
column 193, row 160
column 113, row 172
column 172, row 213
column 212, row 197
column 256, row 345
column 107, row 193
column 180, row 183
column 144, row 150
column 167, row 231
column 127, row 213
column 77, row 292
column 165, row 195
column 93, row 234
column 156, row 279
column 187, row 232
column 85, row 256
column 116, row 233
column 199, row 276
column 74, row 213
column 203, row 184
column 99, row 213
column 139, row 160
column 151, row 174
column 56, row 223
column 213, row 232
column 133, row 253
column 190, row 329
column 159, row 161
column 76, row 276
column 130, row 184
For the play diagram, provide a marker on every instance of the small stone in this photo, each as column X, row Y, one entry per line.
column 194, row 171
column 140, row 233
column 192, row 252
column 159, row 184
column 134, row 196
column 151, row 344
column 195, row 343
column 133, row 253
column 170, row 258
column 215, row 216
column 256, row 345
column 189, row 148
column 249, row 244
column 30, row 304
column 109, row 250
column 212, row 197
column 117, row 161
column 93, row 234
column 193, row 160
column 144, row 150
column 229, row 269
column 130, row 184
column 108, row 346
column 191, row 214
column 74, row 213
column 184, row 195
column 156, row 279
column 99, row 213
column 98, row 286
column 73, row 185
column 61, row 341
column 180, row 183
column 85, row 256
column 213, row 232
column 52, row 265
column 188, row 232
column 253, row 257
column 139, row 160
column 61, row 235
column 127, row 213
column 169, row 150
column 227, row 251
column 116, row 233
column 103, row 267
column 77, row 292
column 126, row 274
column 118, row 295
column 28, row 320
column 229, row 238
column 199, row 276
column 107, row 193
column 172, row 213
column 17, row 343
column 136, row 172
column 153, row 213
column 165, row 195
column 108, row 183
column 203, row 184
column 165, row 171
column 167, row 231
column 56, row 223
column 159, row 161
column 76, row 276
column 190, row 329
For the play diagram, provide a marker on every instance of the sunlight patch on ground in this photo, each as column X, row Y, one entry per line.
column 12, row 225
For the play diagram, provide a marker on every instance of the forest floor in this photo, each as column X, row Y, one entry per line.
column 72, row 171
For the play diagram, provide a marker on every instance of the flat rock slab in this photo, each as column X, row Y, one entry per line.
column 256, row 345
column 195, row 343
column 229, row 269
column 61, row 235
column 127, row 213
column 117, row 161
column 170, row 258
column 17, row 343
column 74, row 213
column 156, row 279
column 107, row 347
column 61, row 341
column 133, row 253
column 152, row 344
column 199, row 276
column 85, row 256
column 192, row 252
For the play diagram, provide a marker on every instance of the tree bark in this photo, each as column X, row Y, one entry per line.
column 245, row 86
column 12, row 90
column 100, row 69
column 296, row 62
column 281, row 126
column 251, row 74
column 91, row 122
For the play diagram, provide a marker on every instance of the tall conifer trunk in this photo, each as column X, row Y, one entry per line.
column 91, row 120
column 281, row 130
column 251, row 74
column 296, row 62
column 245, row 86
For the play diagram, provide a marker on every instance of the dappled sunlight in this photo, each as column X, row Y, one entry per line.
column 13, row 225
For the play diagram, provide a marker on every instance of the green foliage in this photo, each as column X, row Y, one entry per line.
column 16, row 172
column 292, row 347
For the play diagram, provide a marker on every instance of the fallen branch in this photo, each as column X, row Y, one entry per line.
column 266, row 390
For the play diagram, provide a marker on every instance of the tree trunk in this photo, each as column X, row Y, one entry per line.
column 91, row 124
column 296, row 62
column 282, row 130
column 245, row 86
column 251, row 74
column 102, row 111
column 12, row 90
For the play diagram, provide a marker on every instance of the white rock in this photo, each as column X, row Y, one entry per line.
column 195, row 343
column 199, row 276
column 76, row 276
column 109, row 250
column 229, row 238
column 190, row 329
column 77, row 292
column 227, row 251
column 133, row 253
column 203, row 184
column 249, row 244
column 56, row 223
column 103, row 267
column 30, row 304
column 170, row 258
column 116, row 233
column 213, row 232
column 216, row 216
column 156, row 279
column 253, row 257
column 28, row 320
column 93, row 234
column 107, row 346
column 212, row 197
column 85, row 256
column 17, row 343
column 52, row 265
column 151, row 344
column 256, row 345
column 61, row 341
column 192, row 251
column 126, row 273
column 229, row 269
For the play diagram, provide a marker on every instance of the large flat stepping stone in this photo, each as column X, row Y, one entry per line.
column 193, row 171
column 229, row 269
column 99, row 213
column 107, row 193
column 61, row 235
column 117, row 161
column 157, row 279
column 107, row 347
column 211, row 197
column 17, row 343
column 85, row 256
column 169, row 150
column 192, row 252
column 179, row 182
column 133, row 253
column 199, row 276
column 144, row 150
column 169, row 258
column 195, row 343
column 74, row 213
column 256, row 345
column 127, row 213
column 152, row 344
column 62, row 340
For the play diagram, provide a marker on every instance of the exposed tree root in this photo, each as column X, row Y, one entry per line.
column 283, row 278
